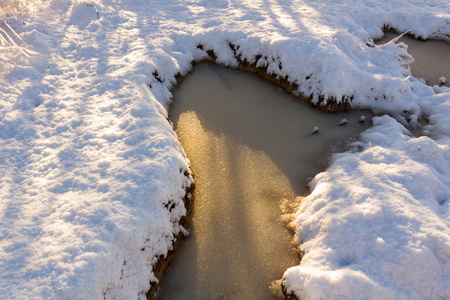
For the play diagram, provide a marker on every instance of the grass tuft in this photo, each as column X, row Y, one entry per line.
column 12, row 46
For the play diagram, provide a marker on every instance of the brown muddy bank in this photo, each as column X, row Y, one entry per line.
column 164, row 261
column 329, row 105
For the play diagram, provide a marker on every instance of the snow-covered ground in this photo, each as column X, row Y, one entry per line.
column 92, row 174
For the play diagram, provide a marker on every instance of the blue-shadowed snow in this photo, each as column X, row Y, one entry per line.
column 89, row 163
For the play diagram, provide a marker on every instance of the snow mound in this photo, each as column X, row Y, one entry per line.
column 377, row 222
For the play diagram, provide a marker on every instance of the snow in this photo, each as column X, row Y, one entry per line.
column 343, row 122
column 92, row 174
column 377, row 222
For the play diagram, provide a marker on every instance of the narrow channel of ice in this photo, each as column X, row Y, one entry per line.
column 92, row 175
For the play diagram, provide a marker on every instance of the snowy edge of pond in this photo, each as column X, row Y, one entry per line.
column 90, row 167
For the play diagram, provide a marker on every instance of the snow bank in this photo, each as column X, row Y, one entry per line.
column 92, row 174
column 377, row 222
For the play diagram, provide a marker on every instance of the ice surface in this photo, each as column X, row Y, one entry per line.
column 92, row 174
column 431, row 59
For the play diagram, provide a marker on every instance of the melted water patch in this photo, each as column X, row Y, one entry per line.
column 251, row 148
column 432, row 57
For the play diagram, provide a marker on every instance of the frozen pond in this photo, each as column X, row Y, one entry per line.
column 432, row 57
column 251, row 149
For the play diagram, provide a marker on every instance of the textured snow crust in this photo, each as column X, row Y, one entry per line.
column 92, row 175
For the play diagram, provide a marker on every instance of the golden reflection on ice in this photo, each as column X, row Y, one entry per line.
column 238, row 194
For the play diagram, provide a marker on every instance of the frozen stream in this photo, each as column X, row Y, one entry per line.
column 432, row 57
column 251, row 148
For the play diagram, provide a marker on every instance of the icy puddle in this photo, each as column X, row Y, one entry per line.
column 251, row 148
column 432, row 57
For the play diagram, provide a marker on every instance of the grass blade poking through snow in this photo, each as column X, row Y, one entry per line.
column 9, row 48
